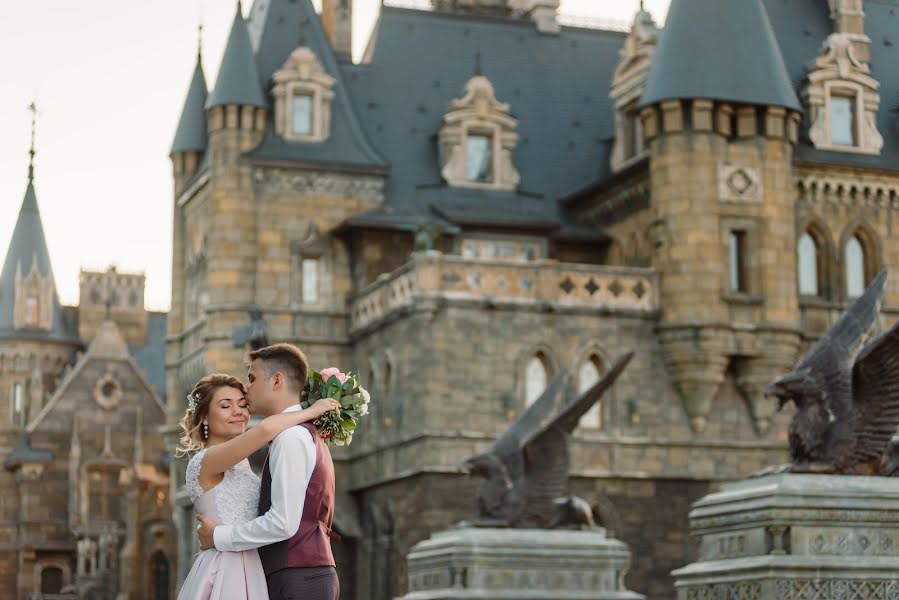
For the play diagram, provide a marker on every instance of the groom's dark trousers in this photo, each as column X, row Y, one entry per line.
column 302, row 567
column 315, row 583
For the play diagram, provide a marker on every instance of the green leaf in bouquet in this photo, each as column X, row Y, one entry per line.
column 350, row 412
column 348, row 424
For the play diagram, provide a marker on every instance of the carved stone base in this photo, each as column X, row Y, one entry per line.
column 514, row 564
column 796, row 537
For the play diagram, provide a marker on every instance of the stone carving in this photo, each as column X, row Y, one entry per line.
column 34, row 298
column 526, row 470
column 846, row 392
column 254, row 333
column 739, row 184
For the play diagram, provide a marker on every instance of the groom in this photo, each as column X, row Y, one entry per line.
column 296, row 501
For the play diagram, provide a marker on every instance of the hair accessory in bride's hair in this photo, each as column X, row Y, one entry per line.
column 192, row 401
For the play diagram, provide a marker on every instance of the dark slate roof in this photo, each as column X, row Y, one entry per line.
column 422, row 60
column 191, row 133
column 238, row 78
column 25, row 453
column 151, row 356
column 27, row 245
column 277, row 28
column 720, row 50
column 801, row 26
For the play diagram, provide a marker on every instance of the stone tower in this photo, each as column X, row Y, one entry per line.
column 721, row 125
column 37, row 341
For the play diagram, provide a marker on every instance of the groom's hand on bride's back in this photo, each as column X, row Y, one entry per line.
column 204, row 531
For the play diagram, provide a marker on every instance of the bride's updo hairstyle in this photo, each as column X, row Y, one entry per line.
column 198, row 401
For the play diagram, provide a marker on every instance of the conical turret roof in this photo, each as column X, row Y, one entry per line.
column 719, row 50
column 191, row 134
column 27, row 251
column 238, row 78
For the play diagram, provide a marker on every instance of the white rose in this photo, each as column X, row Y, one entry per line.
column 363, row 410
column 365, row 395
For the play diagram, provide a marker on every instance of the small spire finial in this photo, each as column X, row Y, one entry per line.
column 31, row 152
column 642, row 7
column 199, row 42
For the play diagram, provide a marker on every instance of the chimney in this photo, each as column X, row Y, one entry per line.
column 849, row 18
column 337, row 19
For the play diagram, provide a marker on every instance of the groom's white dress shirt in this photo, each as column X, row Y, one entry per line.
column 291, row 460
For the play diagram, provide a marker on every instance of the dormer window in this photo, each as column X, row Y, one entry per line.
column 303, row 92
column 479, row 157
column 478, row 139
column 302, row 114
column 33, row 303
column 627, row 87
column 843, row 100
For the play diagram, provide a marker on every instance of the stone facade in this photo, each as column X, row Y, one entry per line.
column 84, row 500
column 445, row 341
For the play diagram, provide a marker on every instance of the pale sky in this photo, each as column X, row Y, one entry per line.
column 110, row 77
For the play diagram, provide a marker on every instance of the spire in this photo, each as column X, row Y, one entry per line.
column 238, row 79
column 192, row 134
column 702, row 53
column 28, row 256
column 33, row 108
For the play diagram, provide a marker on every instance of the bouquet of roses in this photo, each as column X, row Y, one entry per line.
column 336, row 426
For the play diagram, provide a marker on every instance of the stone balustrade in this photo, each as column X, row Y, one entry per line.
column 546, row 283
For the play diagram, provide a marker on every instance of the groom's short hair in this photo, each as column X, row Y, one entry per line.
column 286, row 359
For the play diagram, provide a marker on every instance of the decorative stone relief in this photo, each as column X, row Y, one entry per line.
column 627, row 87
column 108, row 392
column 303, row 94
column 479, row 113
column 33, row 304
column 739, row 184
column 840, row 72
column 275, row 181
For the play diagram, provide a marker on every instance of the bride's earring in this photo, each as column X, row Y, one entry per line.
column 205, row 430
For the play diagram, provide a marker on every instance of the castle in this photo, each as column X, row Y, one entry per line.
column 492, row 196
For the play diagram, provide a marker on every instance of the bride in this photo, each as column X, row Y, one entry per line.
column 221, row 484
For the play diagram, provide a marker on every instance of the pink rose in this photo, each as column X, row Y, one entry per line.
column 327, row 373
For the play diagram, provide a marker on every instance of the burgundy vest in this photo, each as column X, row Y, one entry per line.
column 311, row 544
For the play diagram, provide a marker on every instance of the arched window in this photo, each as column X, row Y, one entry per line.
column 51, row 580
column 159, row 580
column 855, row 267
column 588, row 374
column 536, row 378
column 808, row 266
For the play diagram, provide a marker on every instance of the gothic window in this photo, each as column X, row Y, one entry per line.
column 536, row 378
column 104, row 494
column 310, row 280
column 737, row 261
column 808, row 265
column 587, row 376
column 51, row 580
column 303, row 92
column 18, row 404
column 855, row 267
column 32, row 311
column 160, row 577
column 478, row 139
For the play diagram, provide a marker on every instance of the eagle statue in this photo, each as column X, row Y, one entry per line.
column 525, row 471
column 846, row 393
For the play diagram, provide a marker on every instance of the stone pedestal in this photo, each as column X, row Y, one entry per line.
column 793, row 537
column 517, row 564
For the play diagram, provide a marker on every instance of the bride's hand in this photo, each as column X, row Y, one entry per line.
column 324, row 405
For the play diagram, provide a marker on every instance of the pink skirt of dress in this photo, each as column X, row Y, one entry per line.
column 225, row 576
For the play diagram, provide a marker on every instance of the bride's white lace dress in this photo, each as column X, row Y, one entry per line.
column 225, row 575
